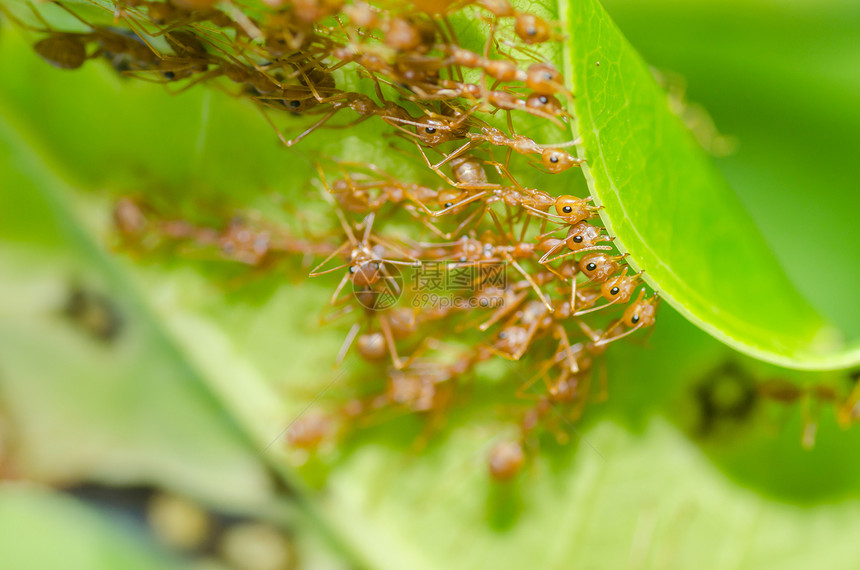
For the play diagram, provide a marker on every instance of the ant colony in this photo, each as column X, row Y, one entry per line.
column 433, row 276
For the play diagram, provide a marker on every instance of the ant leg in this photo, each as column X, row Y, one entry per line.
column 568, row 349
column 531, row 281
column 199, row 79
column 453, row 155
column 339, row 288
column 503, row 311
column 528, row 340
column 544, row 260
column 316, row 271
column 594, row 309
column 347, row 343
column 566, row 144
column 810, row 425
column 604, row 341
column 434, row 168
column 521, row 391
column 389, row 340
column 846, row 411
column 474, row 217
column 459, row 204
column 335, row 315
column 498, row 224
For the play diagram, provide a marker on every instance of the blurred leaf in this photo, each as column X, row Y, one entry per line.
column 674, row 214
column 101, row 398
column 641, row 495
column 40, row 529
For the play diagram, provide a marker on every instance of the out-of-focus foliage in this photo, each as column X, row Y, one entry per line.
column 205, row 351
column 40, row 529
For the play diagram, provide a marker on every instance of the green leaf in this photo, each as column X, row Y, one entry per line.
column 674, row 214
column 775, row 79
column 40, row 529
column 630, row 490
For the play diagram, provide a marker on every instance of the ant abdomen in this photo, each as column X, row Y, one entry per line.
column 64, row 51
column 506, row 460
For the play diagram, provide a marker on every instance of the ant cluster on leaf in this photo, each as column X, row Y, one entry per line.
column 439, row 274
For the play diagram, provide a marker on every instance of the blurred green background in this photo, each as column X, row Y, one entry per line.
column 203, row 370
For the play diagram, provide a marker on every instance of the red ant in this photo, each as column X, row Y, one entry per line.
column 366, row 262
column 639, row 314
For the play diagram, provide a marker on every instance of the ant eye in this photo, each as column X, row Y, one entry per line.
column 503, row 335
column 295, row 104
column 591, row 266
column 543, row 99
column 352, row 268
column 634, row 319
column 567, row 209
column 577, row 239
column 548, row 76
column 464, row 259
column 169, row 75
column 553, row 159
column 531, row 31
column 448, row 204
column 430, row 130
column 614, row 291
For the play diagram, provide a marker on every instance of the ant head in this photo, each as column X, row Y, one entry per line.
column 543, row 78
column 598, row 267
column 556, row 160
column 641, row 312
column 582, row 234
column 511, row 339
column 365, row 273
column 448, row 197
column 618, row 289
column 545, row 103
column 532, row 29
column 433, row 131
column 571, row 208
